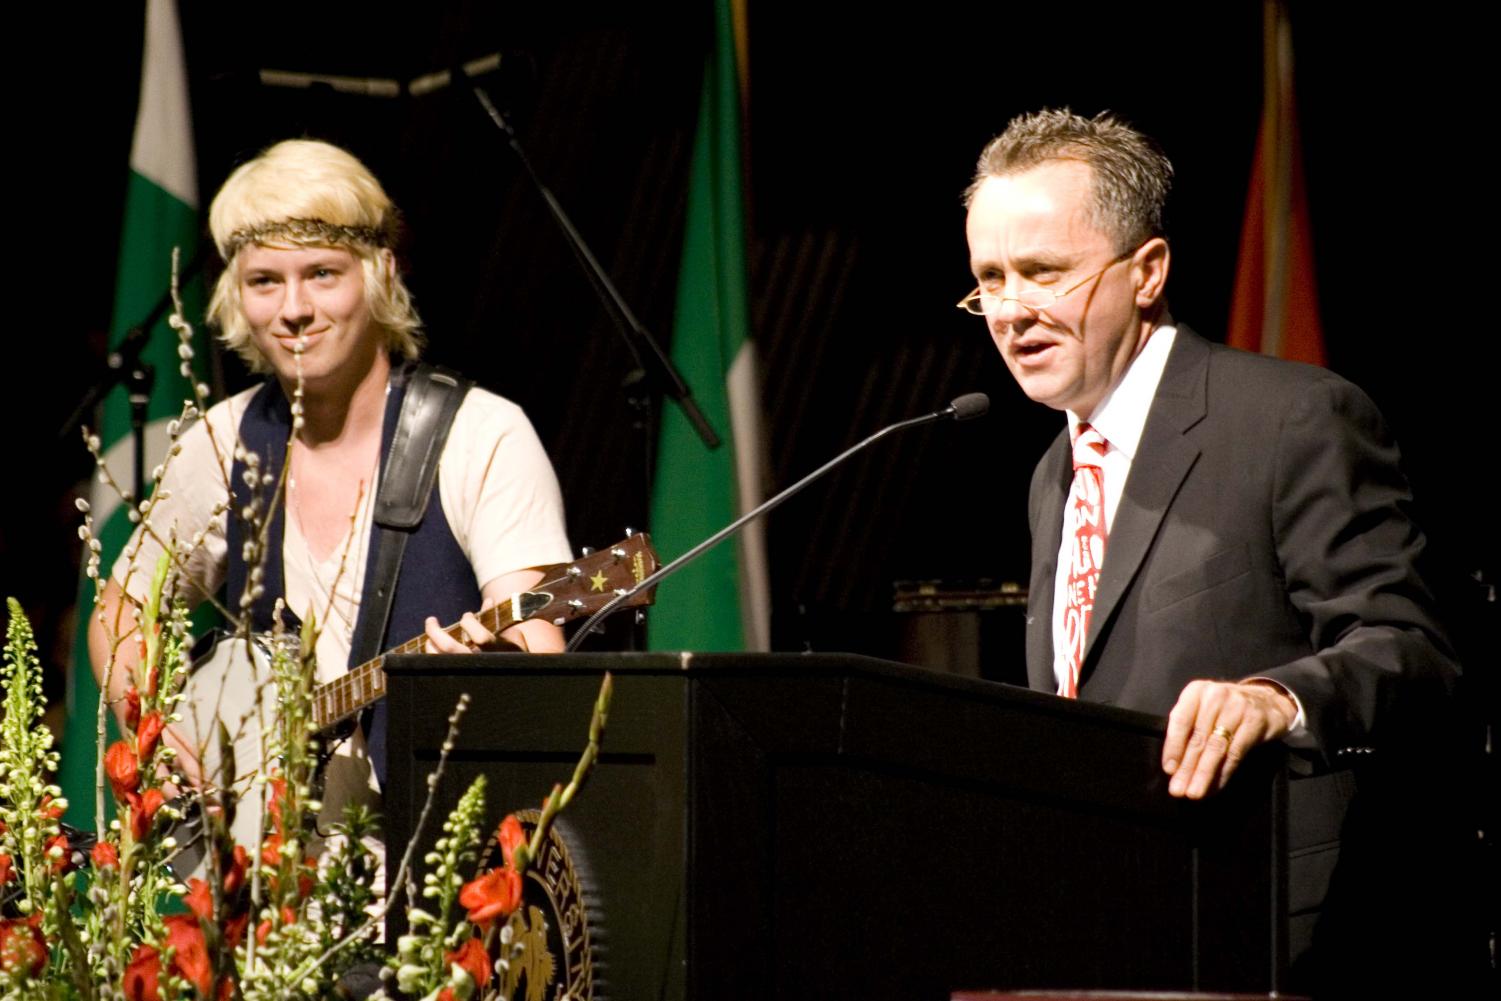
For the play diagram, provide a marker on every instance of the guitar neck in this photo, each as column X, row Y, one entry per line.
column 565, row 590
column 347, row 694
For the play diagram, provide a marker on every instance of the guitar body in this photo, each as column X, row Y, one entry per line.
column 231, row 683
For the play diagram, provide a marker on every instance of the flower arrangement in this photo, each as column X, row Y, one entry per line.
column 124, row 927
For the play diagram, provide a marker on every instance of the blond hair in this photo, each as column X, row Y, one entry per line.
column 305, row 193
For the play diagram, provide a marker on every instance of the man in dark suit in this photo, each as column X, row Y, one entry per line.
column 1217, row 536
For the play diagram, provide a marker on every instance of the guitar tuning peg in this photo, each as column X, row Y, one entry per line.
column 618, row 553
column 629, row 531
column 575, row 571
column 587, row 551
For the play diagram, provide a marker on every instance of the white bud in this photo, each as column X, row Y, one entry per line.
column 81, row 504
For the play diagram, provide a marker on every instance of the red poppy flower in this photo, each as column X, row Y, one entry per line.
column 494, row 894
column 7, row 869
column 271, row 850
column 143, row 808
column 23, row 950
column 288, row 917
column 190, row 958
column 121, row 767
column 234, row 873
column 63, row 862
column 132, row 707
column 105, row 855
column 446, row 994
column 200, row 899
column 49, row 810
column 471, row 956
column 510, row 835
column 143, row 975
column 234, row 930
column 147, row 734
column 274, row 803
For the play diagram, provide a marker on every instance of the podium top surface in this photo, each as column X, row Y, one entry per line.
column 826, row 666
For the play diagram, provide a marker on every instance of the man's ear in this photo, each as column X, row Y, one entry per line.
column 1149, row 267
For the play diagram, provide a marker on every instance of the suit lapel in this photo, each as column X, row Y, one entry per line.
column 1047, row 535
column 1163, row 458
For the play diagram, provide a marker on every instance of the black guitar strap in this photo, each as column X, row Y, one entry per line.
column 432, row 398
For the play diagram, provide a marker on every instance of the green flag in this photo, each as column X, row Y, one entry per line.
column 161, row 211
column 719, row 602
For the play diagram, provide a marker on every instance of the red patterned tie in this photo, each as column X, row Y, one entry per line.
column 1087, row 499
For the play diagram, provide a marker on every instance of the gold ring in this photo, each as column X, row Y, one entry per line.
column 1223, row 731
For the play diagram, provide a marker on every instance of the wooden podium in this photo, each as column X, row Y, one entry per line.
column 828, row 826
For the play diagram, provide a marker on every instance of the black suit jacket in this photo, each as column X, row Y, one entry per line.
column 1264, row 530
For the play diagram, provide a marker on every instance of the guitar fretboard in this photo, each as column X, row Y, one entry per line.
column 349, row 693
column 566, row 590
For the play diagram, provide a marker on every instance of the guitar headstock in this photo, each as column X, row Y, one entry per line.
column 584, row 585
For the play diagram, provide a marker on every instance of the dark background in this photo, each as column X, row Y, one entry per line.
column 861, row 134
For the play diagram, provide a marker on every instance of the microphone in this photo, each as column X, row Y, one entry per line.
column 963, row 408
column 968, row 407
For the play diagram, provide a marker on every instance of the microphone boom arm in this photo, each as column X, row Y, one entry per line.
column 965, row 407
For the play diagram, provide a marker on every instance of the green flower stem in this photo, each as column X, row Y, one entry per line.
column 560, row 797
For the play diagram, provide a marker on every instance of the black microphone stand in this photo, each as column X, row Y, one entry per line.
column 123, row 367
column 658, row 367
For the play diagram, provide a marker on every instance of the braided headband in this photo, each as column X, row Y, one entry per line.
column 303, row 231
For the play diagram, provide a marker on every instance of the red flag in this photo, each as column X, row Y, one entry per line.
column 1275, row 308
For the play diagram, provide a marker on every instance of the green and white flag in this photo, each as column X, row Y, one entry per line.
column 720, row 602
column 161, row 212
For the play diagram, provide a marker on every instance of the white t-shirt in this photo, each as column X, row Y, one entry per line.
column 500, row 497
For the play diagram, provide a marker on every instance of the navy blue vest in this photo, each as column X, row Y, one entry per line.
column 435, row 578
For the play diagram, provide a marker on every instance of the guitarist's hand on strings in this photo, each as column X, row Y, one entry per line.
column 469, row 634
column 473, row 636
